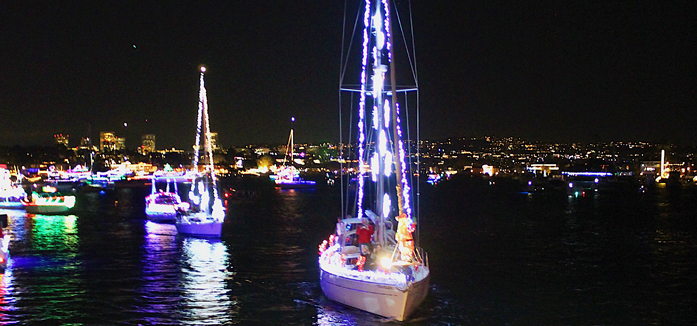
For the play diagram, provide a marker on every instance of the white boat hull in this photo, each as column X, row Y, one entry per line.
column 384, row 300
column 162, row 206
column 46, row 209
column 53, row 204
column 161, row 215
column 206, row 227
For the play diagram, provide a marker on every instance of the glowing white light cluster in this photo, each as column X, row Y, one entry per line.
column 386, row 113
column 382, row 142
column 386, row 205
column 218, row 210
column 378, row 80
column 388, row 164
column 375, row 166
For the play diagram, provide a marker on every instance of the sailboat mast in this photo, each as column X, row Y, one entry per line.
column 197, row 143
column 207, row 132
column 395, row 117
column 379, row 120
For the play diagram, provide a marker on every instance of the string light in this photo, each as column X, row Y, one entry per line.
column 405, row 183
column 218, row 210
column 375, row 166
column 361, row 113
column 201, row 94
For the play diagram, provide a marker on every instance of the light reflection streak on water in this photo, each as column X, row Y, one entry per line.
column 15, row 220
column 41, row 276
column 328, row 317
column 7, row 301
column 159, row 293
column 207, row 301
column 54, row 232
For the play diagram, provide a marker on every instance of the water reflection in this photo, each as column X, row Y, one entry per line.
column 160, row 290
column 43, row 268
column 7, row 301
column 204, row 277
column 53, row 232
column 184, row 279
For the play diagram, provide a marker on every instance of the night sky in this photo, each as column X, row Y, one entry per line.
column 542, row 70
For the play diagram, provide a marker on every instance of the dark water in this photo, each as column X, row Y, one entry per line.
column 498, row 257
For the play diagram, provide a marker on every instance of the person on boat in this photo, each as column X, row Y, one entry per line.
column 339, row 229
column 365, row 232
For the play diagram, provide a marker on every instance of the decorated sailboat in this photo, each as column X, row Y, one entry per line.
column 164, row 205
column 391, row 279
column 206, row 216
column 288, row 176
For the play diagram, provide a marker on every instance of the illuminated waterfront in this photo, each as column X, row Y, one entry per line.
column 498, row 257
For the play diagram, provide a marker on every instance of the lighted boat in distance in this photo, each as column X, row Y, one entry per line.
column 48, row 202
column 67, row 181
column 288, row 176
column 398, row 283
column 206, row 216
column 11, row 194
column 164, row 205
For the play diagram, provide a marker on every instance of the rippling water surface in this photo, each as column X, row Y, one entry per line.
column 616, row 257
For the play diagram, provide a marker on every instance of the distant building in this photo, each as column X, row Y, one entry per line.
column 107, row 141
column 85, row 143
column 543, row 169
column 214, row 141
column 62, row 139
column 147, row 143
column 120, row 143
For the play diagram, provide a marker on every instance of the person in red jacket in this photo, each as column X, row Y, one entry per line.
column 364, row 233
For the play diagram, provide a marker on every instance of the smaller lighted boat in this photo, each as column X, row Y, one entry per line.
column 164, row 205
column 12, row 198
column 288, row 176
column 48, row 202
column 11, row 195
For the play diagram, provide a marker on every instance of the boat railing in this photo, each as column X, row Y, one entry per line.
column 422, row 256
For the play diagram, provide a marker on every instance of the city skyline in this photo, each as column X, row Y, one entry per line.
column 545, row 70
